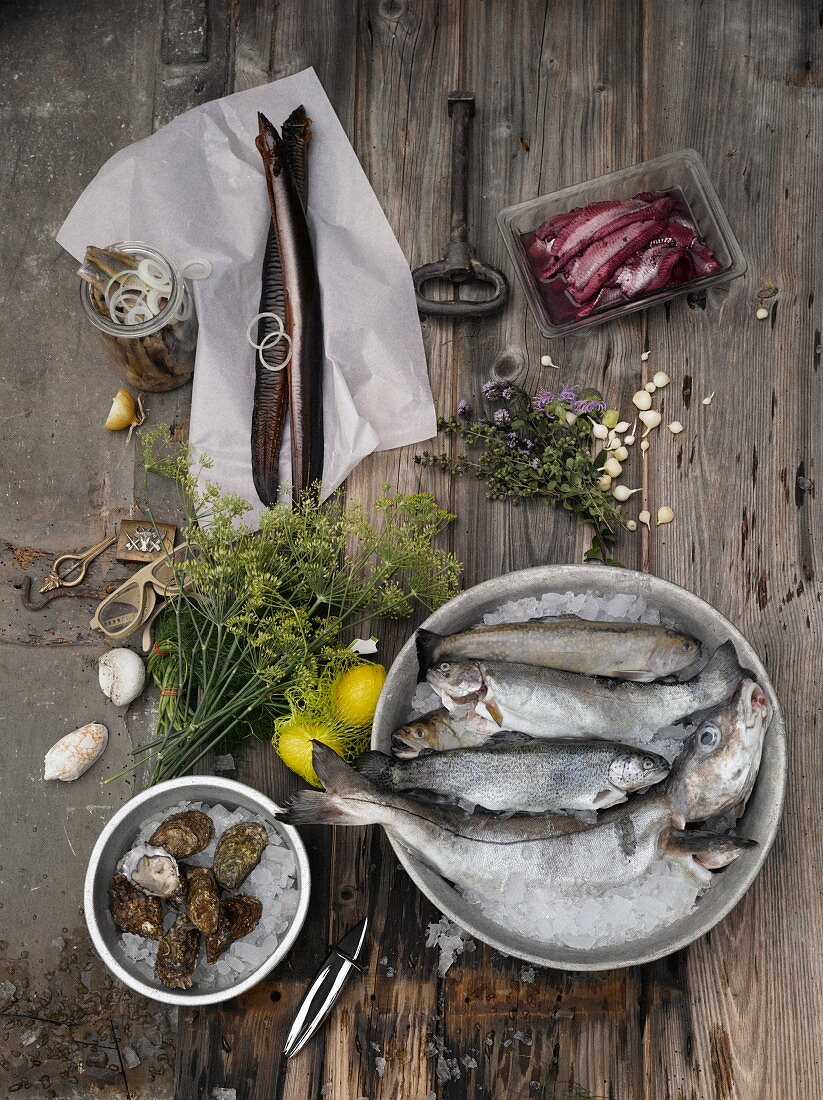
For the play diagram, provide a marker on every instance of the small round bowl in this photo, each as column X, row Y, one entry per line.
column 763, row 810
column 119, row 835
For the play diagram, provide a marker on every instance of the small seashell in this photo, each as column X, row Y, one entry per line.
column 76, row 752
column 642, row 400
column 122, row 676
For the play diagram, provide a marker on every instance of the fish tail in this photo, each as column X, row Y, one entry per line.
column 711, row 850
column 349, row 798
column 427, row 642
column 377, row 767
column 725, row 663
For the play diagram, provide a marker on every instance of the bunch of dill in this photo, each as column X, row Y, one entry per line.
column 259, row 612
column 538, row 446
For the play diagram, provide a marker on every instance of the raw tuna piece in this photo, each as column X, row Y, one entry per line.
column 596, row 266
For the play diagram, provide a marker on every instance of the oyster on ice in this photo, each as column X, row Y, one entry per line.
column 239, row 915
column 154, row 870
column 184, row 834
column 177, row 955
column 133, row 911
column 202, row 898
column 238, row 852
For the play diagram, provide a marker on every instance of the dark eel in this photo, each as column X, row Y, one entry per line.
column 271, row 387
column 291, row 290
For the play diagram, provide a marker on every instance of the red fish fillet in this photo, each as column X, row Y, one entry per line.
column 595, row 267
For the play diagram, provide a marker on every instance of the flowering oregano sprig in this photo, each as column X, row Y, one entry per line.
column 538, row 446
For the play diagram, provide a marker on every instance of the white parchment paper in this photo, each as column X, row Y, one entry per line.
column 196, row 189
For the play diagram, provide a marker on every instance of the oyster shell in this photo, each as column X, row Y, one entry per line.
column 202, row 898
column 184, row 834
column 239, row 915
column 133, row 911
column 177, row 955
column 238, row 852
column 152, row 869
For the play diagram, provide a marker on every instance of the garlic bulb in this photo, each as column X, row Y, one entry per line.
column 675, row 427
column 124, row 413
column 612, row 467
column 122, row 676
column 664, row 515
column 651, row 418
column 642, row 400
column 75, row 753
column 661, row 379
column 645, row 517
column 622, row 493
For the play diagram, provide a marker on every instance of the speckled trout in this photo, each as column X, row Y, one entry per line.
column 628, row 651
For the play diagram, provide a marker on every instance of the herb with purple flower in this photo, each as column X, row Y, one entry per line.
column 537, row 446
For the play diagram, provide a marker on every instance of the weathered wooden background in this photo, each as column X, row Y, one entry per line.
column 565, row 91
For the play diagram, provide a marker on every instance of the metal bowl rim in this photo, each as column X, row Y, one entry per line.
column 546, row 574
column 181, row 784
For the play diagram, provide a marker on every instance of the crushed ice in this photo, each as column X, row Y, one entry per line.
column 273, row 881
column 450, row 940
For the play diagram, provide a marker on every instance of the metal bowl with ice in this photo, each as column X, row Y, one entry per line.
column 251, row 959
column 595, row 591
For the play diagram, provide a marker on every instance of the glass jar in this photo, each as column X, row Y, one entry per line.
column 156, row 355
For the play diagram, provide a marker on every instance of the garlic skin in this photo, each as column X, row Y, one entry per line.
column 651, row 418
column 661, row 379
column 675, row 427
column 622, row 493
column 645, row 517
column 664, row 515
column 122, row 676
column 612, row 467
column 642, row 400
column 124, row 413
column 75, row 753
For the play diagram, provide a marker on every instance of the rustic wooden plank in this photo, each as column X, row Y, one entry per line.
column 749, row 1017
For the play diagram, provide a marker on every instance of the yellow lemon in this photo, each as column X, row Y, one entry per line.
column 355, row 694
column 294, row 739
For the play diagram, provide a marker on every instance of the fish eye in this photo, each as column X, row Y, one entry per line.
column 647, row 763
column 709, row 737
column 444, row 667
column 419, row 733
column 688, row 647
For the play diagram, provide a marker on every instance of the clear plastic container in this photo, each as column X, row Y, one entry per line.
column 157, row 355
column 683, row 171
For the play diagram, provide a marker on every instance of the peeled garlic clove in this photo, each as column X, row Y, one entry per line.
column 622, row 493
column 621, row 454
column 612, row 467
column 664, row 515
column 622, row 426
column 631, row 525
column 644, row 445
column 651, row 418
column 675, row 427
column 604, row 482
column 650, row 387
column 642, row 400
column 75, row 753
column 645, row 517
column 600, row 431
column 661, row 379
column 122, row 676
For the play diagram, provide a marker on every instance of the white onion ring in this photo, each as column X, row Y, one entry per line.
column 204, row 264
column 153, row 301
column 255, row 319
column 138, row 315
column 274, row 337
column 119, row 278
column 154, row 274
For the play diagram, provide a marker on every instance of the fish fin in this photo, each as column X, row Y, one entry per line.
column 377, row 767
column 318, row 808
column 711, row 850
column 487, row 708
column 427, row 642
column 335, row 774
column 349, row 798
column 724, row 662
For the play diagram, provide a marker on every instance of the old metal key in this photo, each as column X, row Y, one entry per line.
column 460, row 265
